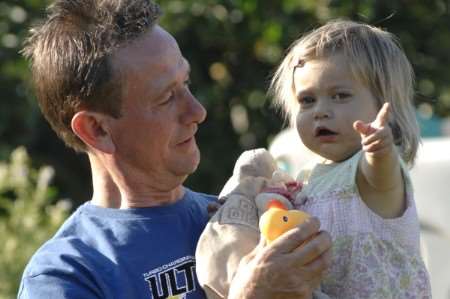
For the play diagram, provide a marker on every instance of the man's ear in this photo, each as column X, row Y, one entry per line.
column 93, row 129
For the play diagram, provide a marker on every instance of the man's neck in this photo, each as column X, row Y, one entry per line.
column 111, row 192
column 105, row 192
column 152, row 198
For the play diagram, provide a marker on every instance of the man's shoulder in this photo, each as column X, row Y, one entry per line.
column 60, row 253
column 203, row 196
column 61, row 268
column 68, row 248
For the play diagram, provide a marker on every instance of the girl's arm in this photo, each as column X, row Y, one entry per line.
column 379, row 177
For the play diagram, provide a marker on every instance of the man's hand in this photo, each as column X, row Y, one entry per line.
column 290, row 267
column 376, row 137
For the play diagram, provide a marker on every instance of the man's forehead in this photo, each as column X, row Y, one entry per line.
column 170, row 75
column 151, row 47
column 154, row 56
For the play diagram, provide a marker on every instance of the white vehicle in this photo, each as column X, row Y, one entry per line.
column 431, row 180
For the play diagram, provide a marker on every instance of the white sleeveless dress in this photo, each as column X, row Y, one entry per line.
column 373, row 257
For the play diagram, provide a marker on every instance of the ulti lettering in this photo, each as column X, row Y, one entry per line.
column 167, row 283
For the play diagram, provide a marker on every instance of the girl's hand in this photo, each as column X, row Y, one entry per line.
column 379, row 177
column 376, row 137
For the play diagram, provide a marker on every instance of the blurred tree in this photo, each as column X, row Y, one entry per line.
column 18, row 111
column 233, row 47
column 27, row 216
column 21, row 122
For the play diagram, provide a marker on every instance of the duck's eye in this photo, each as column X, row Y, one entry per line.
column 285, row 218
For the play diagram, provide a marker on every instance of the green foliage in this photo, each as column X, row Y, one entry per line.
column 233, row 46
column 19, row 113
column 27, row 216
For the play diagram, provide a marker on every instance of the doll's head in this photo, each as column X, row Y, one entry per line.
column 346, row 70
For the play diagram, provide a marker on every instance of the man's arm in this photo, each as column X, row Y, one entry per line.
column 55, row 286
column 290, row 267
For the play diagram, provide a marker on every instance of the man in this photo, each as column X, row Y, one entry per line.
column 114, row 84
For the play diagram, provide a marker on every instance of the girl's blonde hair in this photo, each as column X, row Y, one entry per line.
column 375, row 58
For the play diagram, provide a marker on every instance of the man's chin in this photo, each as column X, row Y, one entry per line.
column 194, row 166
column 189, row 165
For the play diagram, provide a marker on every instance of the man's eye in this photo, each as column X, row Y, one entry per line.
column 168, row 98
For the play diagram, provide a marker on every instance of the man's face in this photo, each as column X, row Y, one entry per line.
column 155, row 136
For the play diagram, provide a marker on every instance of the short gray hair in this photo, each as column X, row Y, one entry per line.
column 70, row 55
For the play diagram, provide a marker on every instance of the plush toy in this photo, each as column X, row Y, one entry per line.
column 275, row 208
column 257, row 179
column 278, row 220
column 233, row 232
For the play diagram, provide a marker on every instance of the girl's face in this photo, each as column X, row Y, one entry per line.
column 330, row 101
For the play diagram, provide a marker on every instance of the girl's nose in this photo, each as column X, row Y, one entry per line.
column 322, row 111
column 321, row 115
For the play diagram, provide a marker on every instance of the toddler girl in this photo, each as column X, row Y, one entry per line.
column 348, row 89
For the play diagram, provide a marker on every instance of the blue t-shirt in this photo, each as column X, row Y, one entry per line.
column 114, row 253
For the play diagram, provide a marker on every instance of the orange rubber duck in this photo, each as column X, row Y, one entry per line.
column 277, row 219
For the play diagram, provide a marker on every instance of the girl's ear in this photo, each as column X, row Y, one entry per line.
column 92, row 128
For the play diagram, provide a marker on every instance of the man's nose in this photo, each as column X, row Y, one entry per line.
column 195, row 112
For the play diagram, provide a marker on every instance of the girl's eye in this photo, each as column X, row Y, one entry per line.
column 306, row 100
column 341, row 96
column 187, row 82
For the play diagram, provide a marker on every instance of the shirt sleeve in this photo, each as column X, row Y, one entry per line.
column 51, row 286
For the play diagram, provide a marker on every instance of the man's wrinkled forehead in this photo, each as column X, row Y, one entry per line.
column 153, row 46
column 154, row 57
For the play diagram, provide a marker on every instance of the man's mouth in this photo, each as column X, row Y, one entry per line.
column 187, row 139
